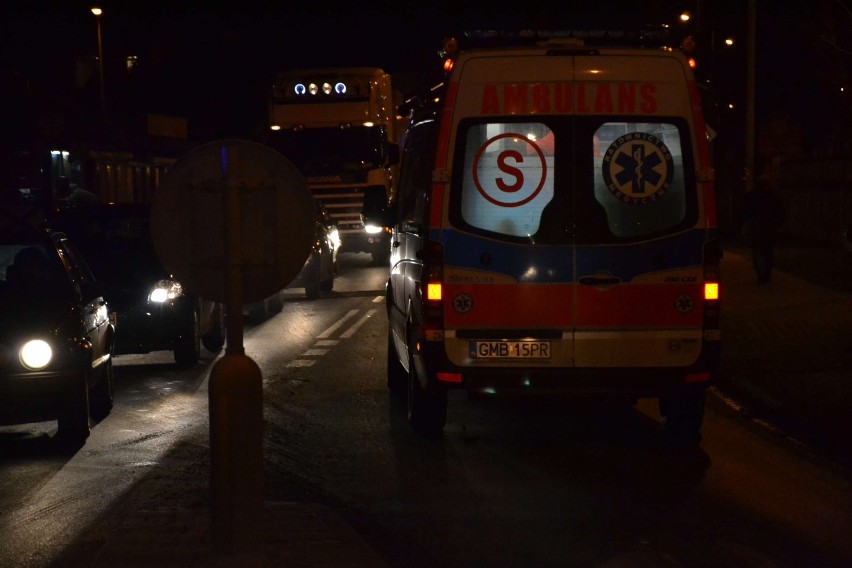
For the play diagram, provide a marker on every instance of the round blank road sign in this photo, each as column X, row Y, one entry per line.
column 233, row 205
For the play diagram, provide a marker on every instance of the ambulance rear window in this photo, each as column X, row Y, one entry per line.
column 508, row 176
column 568, row 179
column 639, row 177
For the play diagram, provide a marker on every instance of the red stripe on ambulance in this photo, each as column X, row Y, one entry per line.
column 437, row 206
column 569, row 98
column 704, row 160
column 538, row 306
column 641, row 305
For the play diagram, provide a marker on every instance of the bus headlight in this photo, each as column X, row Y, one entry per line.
column 36, row 354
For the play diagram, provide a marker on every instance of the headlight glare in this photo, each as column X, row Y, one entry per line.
column 165, row 290
column 36, row 354
column 335, row 238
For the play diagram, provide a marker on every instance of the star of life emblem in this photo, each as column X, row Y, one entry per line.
column 462, row 303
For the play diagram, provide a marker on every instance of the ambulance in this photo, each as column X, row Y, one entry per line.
column 555, row 232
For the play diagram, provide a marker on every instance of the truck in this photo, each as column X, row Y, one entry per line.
column 340, row 127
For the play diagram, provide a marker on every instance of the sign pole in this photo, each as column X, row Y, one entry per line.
column 233, row 220
column 236, row 408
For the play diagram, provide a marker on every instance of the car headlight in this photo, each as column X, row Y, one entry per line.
column 335, row 238
column 36, row 354
column 373, row 229
column 165, row 290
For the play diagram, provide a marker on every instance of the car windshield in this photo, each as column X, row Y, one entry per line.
column 120, row 252
column 29, row 275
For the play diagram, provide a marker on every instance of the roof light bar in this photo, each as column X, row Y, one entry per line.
column 326, row 88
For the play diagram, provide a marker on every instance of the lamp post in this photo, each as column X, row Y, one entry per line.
column 97, row 12
column 750, row 95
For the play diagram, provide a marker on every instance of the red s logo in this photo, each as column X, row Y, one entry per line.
column 510, row 170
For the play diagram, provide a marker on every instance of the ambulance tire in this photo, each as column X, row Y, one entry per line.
column 397, row 377
column 682, row 414
column 427, row 408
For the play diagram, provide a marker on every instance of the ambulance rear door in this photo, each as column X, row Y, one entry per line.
column 509, row 290
column 638, row 234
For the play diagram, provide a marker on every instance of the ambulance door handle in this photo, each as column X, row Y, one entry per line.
column 599, row 280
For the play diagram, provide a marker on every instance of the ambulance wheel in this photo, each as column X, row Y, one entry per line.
column 682, row 414
column 427, row 408
column 397, row 377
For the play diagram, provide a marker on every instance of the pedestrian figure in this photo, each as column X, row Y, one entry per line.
column 764, row 215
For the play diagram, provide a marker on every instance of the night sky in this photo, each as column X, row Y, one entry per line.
column 214, row 65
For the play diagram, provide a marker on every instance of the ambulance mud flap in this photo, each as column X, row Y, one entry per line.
column 427, row 400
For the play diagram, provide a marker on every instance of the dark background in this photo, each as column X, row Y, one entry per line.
column 214, row 65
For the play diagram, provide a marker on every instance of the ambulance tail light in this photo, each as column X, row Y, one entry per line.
column 711, row 290
column 712, row 257
column 432, row 291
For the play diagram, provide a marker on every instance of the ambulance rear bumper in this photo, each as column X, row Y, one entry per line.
column 630, row 382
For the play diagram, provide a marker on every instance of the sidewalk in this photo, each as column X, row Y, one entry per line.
column 164, row 520
column 787, row 348
column 786, row 354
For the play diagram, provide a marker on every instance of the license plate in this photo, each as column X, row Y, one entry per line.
column 507, row 349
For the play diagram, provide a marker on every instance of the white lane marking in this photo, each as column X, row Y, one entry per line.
column 337, row 324
column 351, row 331
column 322, row 341
column 314, row 352
column 378, row 299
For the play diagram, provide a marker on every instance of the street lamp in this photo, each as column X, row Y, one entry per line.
column 97, row 12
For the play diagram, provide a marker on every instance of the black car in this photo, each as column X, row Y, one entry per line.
column 317, row 274
column 152, row 311
column 56, row 340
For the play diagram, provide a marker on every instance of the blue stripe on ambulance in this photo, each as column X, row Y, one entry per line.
column 671, row 252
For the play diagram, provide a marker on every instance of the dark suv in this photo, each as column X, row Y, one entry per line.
column 152, row 311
